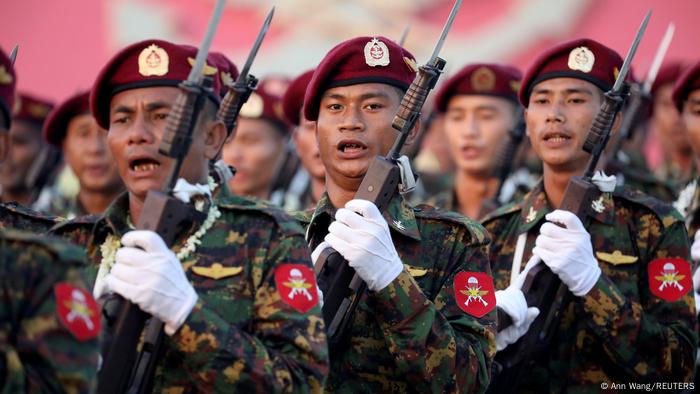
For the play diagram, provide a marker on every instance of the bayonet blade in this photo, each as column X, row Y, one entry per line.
column 630, row 54
column 404, row 34
column 196, row 73
column 254, row 50
column 13, row 55
column 446, row 29
column 659, row 58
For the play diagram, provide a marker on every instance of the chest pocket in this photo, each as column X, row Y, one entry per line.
column 618, row 258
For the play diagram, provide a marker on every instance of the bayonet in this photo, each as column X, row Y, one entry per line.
column 13, row 55
column 404, row 34
column 659, row 58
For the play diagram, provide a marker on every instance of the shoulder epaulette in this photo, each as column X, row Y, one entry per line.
column 30, row 214
column 477, row 231
column 63, row 250
column 77, row 222
column 665, row 212
column 502, row 211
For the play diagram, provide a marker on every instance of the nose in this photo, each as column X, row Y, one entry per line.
column 555, row 113
column 471, row 127
column 140, row 132
column 352, row 120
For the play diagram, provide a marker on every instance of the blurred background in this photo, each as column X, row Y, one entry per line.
column 64, row 43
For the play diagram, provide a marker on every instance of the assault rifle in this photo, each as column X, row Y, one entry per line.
column 543, row 288
column 240, row 91
column 341, row 286
column 166, row 215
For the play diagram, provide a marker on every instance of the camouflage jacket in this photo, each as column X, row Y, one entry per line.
column 18, row 217
column 247, row 333
column 688, row 204
column 49, row 323
column 68, row 207
column 628, row 327
column 412, row 336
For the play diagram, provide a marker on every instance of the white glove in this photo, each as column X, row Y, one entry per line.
column 149, row 274
column 568, row 252
column 695, row 248
column 317, row 252
column 184, row 190
column 361, row 235
column 512, row 333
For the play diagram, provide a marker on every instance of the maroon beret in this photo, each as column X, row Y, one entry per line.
column 147, row 63
column 8, row 83
column 360, row 60
column 685, row 84
column 31, row 108
column 56, row 125
column 228, row 72
column 583, row 58
column 265, row 105
column 668, row 74
column 487, row 79
column 293, row 98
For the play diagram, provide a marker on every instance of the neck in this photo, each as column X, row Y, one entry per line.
column 318, row 185
column 471, row 190
column 95, row 202
column 339, row 195
column 135, row 205
column 683, row 159
column 555, row 183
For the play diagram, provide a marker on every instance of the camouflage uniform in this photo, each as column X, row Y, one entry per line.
column 15, row 216
column 412, row 336
column 41, row 351
column 688, row 204
column 242, row 334
column 68, row 207
column 620, row 331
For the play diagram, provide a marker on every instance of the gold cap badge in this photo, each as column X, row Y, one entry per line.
column 376, row 53
column 153, row 61
column 207, row 70
column 5, row 76
column 483, row 79
column 254, row 107
column 38, row 110
column 581, row 59
column 226, row 78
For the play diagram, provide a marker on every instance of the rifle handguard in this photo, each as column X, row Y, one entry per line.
column 602, row 124
column 232, row 103
column 417, row 93
column 176, row 138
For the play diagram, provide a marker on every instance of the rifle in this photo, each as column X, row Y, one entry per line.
column 341, row 286
column 634, row 114
column 165, row 215
column 240, row 91
column 13, row 55
column 543, row 288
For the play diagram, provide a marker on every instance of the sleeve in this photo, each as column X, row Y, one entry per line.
column 651, row 339
column 436, row 345
column 40, row 351
column 283, row 349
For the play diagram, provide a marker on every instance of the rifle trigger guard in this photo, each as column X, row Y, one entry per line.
column 408, row 180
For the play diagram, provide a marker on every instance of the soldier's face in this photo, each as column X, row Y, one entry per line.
column 558, row 118
column 137, row 122
column 353, row 127
column 257, row 151
column 86, row 152
column 691, row 118
column 307, row 147
column 667, row 123
column 25, row 147
column 477, row 130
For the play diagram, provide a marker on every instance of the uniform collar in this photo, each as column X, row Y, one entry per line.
column 398, row 214
column 535, row 207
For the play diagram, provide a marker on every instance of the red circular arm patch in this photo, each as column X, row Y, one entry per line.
column 474, row 293
column 77, row 311
column 669, row 279
column 297, row 286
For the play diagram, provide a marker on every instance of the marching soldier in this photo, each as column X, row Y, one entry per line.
column 12, row 214
column 308, row 183
column 71, row 128
column 225, row 291
column 480, row 106
column 631, row 316
column 426, row 323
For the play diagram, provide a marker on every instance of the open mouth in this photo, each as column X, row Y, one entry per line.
column 556, row 137
column 349, row 146
column 143, row 165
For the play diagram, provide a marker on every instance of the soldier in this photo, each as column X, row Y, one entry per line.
column 665, row 123
column 480, row 106
column 308, row 183
column 424, row 325
column 258, row 148
column 631, row 316
column 224, row 292
column 71, row 128
column 12, row 214
column 31, row 164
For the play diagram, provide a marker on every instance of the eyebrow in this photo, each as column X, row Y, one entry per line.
column 365, row 96
column 154, row 106
column 694, row 101
column 566, row 91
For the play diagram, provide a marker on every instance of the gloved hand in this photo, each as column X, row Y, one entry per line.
column 695, row 248
column 361, row 235
column 696, row 281
column 568, row 251
column 317, row 252
column 184, row 190
column 512, row 301
column 512, row 333
column 148, row 273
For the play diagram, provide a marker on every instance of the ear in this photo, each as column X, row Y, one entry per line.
column 214, row 138
column 4, row 144
column 413, row 134
column 527, row 129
